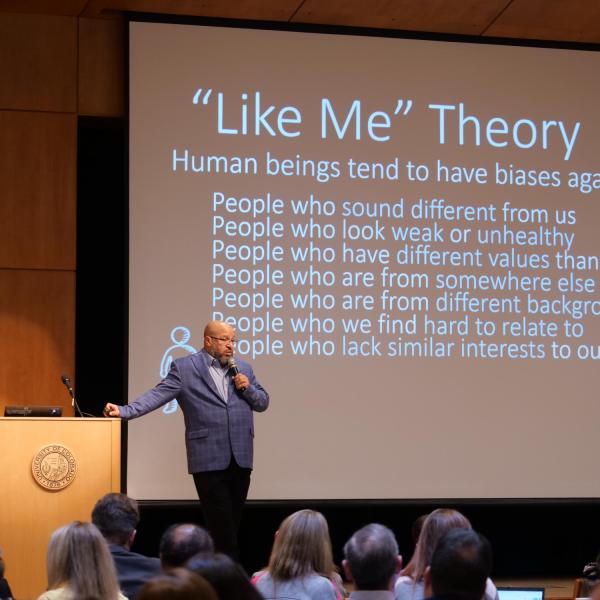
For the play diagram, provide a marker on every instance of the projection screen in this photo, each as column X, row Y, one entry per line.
column 404, row 234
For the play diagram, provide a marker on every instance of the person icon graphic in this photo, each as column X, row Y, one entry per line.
column 180, row 336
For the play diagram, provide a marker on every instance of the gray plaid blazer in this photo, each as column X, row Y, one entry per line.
column 214, row 430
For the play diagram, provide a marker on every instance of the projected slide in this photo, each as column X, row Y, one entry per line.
column 404, row 235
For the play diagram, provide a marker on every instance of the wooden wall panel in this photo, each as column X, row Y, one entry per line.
column 448, row 16
column 37, row 330
column 38, row 157
column 101, row 67
column 48, row 7
column 573, row 21
column 276, row 10
column 38, row 62
column 564, row 20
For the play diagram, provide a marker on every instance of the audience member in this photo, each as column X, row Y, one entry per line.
column 117, row 517
column 436, row 525
column 80, row 566
column 177, row 584
column 371, row 561
column 227, row 577
column 460, row 566
column 5, row 592
column 415, row 532
column 301, row 562
column 180, row 542
column 590, row 576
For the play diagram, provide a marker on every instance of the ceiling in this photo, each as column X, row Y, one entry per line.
column 547, row 20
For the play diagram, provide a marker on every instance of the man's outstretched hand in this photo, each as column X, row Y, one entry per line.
column 111, row 410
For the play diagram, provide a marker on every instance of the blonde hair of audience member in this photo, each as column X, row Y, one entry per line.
column 436, row 525
column 79, row 563
column 177, row 584
column 302, row 547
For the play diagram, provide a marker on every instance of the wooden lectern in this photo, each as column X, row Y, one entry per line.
column 52, row 472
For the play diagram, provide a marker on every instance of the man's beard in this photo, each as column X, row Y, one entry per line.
column 223, row 360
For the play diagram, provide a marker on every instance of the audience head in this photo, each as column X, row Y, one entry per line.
column 591, row 571
column 460, row 565
column 180, row 542
column 177, row 584
column 78, row 557
column 302, row 546
column 227, row 578
column 436, row 525
column 371, row 558
column 116, row 516
column 591, row 577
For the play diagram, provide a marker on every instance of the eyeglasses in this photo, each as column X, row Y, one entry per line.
column 233, row 342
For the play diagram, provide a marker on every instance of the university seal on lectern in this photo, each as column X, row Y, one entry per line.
column 54, row 467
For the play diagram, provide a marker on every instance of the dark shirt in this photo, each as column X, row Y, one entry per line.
column 5, row 593
column 133, row 570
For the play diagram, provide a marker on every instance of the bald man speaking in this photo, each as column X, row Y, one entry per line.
column 217, row 397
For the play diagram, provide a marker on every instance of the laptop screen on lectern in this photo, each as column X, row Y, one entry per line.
column 521, row 593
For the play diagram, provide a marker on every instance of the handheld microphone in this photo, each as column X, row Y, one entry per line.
column 233, row 366
column 234, row 369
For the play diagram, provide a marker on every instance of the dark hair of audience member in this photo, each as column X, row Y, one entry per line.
column 182, row 541
column 302, row 547
column 590, row 578
column 417, row 527
column 5, row 591
column 415, row 533
column 78, row 558
column 116, row 516
column 436, row 525
column 227, row 577
column 460, row 565
column 177, row 584
column 372, row 555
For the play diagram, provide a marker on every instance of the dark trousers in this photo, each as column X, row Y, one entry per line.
column 222, row 495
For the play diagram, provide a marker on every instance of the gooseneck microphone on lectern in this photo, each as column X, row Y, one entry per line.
column 67, row 383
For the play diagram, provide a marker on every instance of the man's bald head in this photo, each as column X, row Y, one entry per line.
column 180, row 542
column 219, row 340
column 217, row 328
